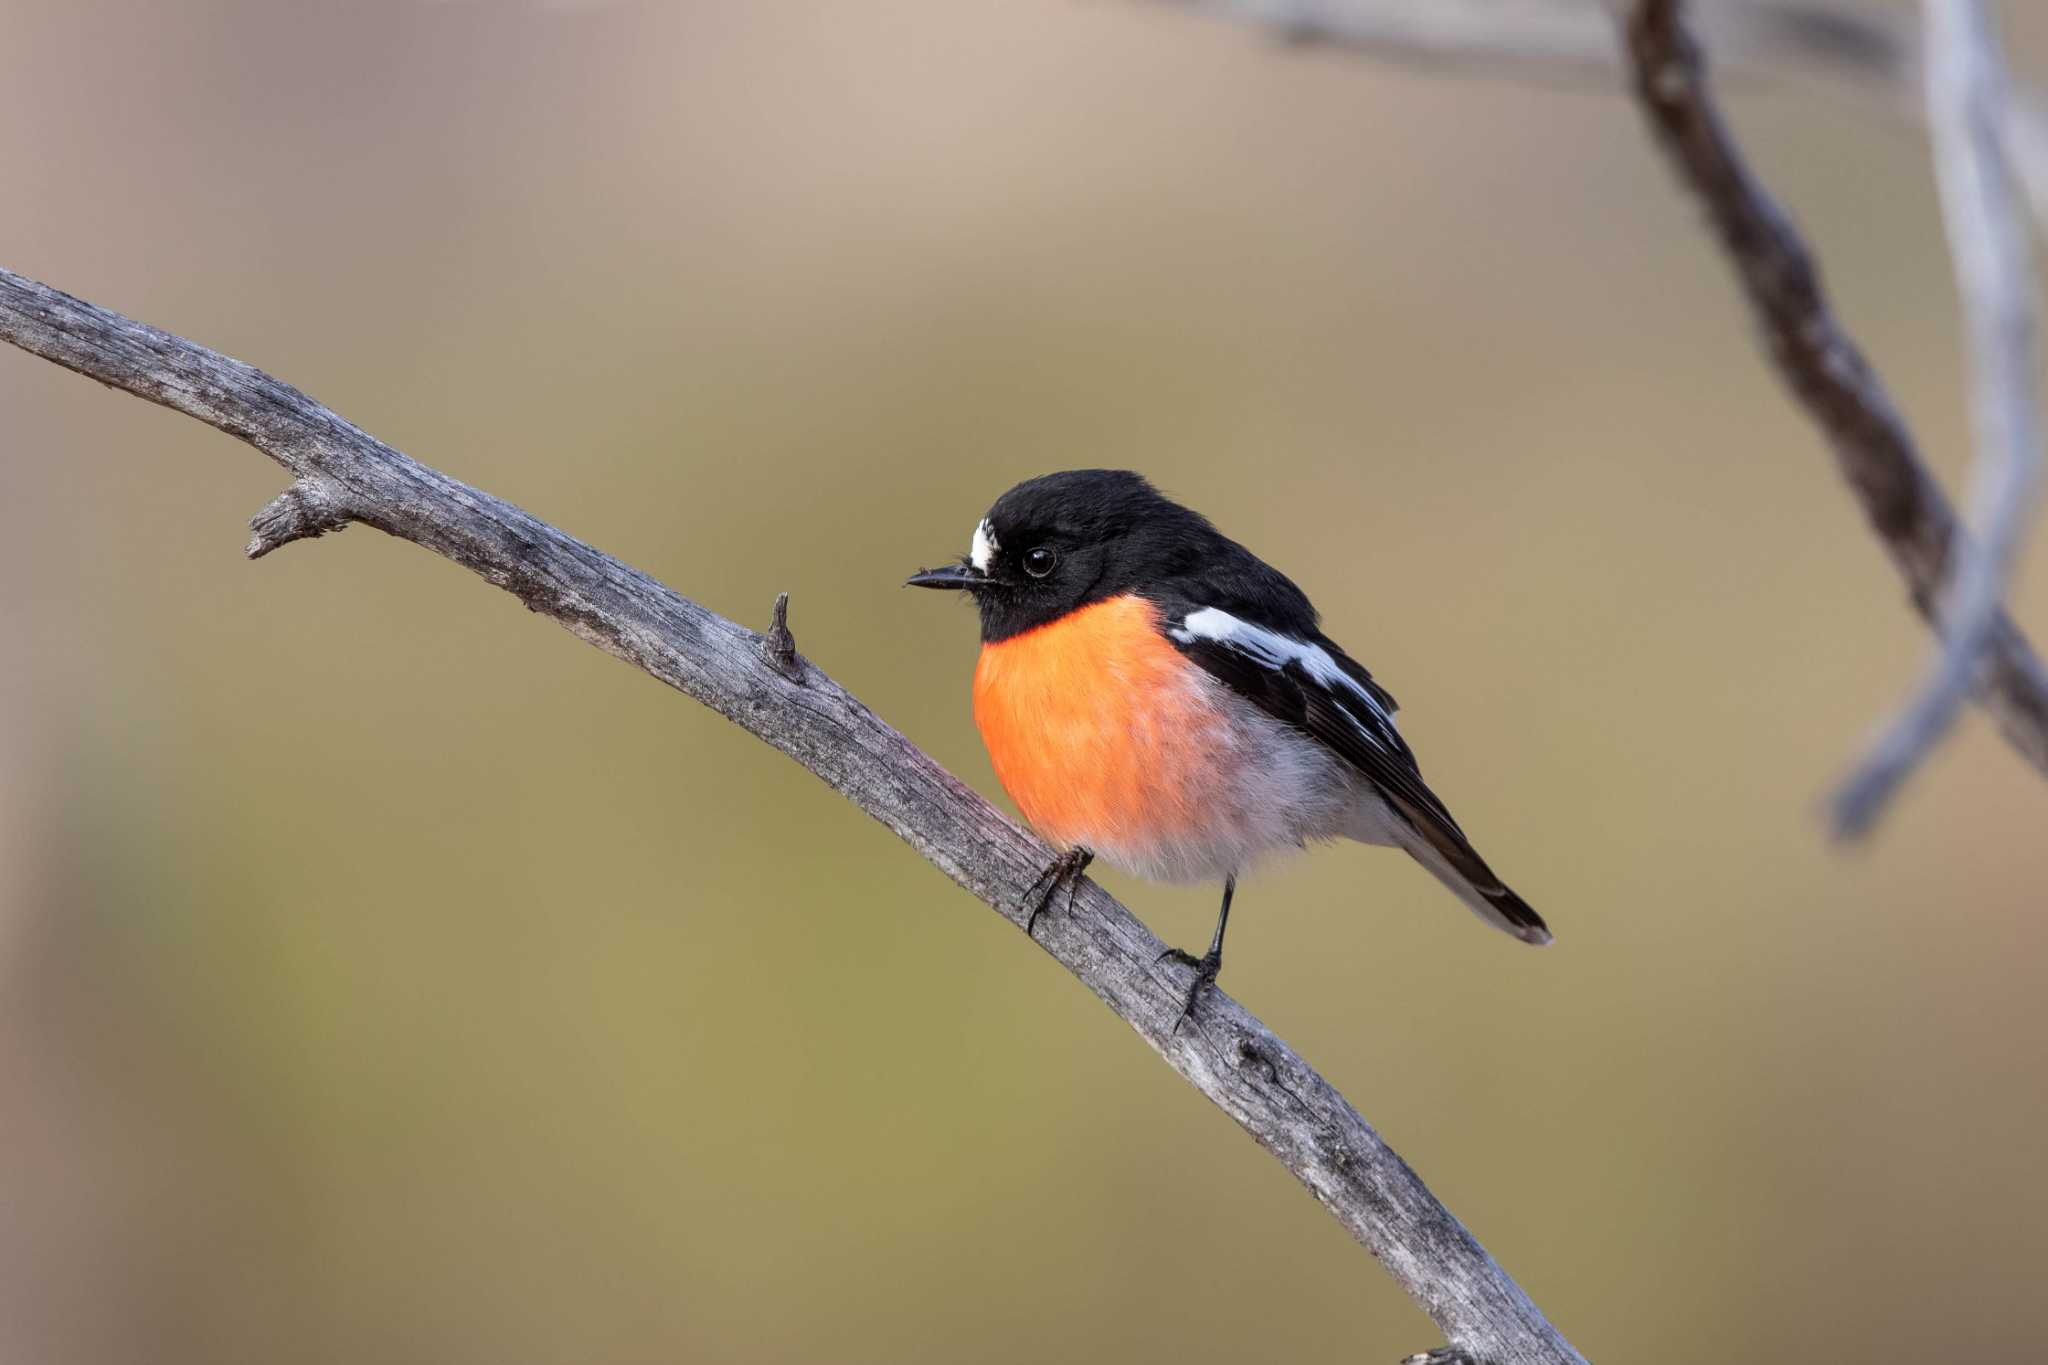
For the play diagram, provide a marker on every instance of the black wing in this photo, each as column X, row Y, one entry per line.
column 1314, row 686
column 1346, row 711
column 1247, row 625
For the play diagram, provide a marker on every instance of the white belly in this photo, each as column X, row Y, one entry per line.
column 1275, row 790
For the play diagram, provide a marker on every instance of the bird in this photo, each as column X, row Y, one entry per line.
column 1152, row 693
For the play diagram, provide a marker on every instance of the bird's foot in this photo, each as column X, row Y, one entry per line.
column 1206, row 968
column 1066, row 871
column 1443, row 1355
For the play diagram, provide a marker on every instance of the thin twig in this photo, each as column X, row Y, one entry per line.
column 1571, row 43
column 1225, row 1052
column 1823, row 367
column 1966, row 105
column 779, row 646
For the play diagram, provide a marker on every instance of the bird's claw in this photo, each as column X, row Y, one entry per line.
column 1205, row 969
column 1443, row 1355
column 1065, row 870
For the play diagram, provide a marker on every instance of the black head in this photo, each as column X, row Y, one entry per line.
column 1061, row 541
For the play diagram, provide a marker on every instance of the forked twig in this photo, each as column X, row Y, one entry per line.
column 1994, row 266
column 1822, row 366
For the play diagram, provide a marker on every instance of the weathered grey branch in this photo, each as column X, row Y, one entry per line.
column 1966, row 111
column 1823, row 367
column 1572, row 41
column 1847, row 47
column 761, row 683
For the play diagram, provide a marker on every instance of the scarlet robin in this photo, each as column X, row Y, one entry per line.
column 1152, row 692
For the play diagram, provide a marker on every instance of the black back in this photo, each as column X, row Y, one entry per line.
column 1112, row 533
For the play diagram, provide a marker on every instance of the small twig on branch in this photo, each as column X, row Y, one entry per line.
column 1823, row 367
column 1228, row 1055
column 308, row 508
column 1966, row 112
column 778, row 646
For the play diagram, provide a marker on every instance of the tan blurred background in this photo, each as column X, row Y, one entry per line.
column 386, row 976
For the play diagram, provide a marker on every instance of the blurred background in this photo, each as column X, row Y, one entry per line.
column 385, row 975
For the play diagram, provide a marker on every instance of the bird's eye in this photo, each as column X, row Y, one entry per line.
column 1038, row 560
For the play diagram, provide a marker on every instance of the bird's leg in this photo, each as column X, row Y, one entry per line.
column 1065, row 871
column 1443, row 1355
column 1210, row 963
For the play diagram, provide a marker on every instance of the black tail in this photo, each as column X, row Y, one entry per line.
column 1458, row 866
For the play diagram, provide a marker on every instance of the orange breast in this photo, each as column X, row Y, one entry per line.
column 1099, row 730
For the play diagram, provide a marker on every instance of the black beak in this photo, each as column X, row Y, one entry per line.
column 952, row 576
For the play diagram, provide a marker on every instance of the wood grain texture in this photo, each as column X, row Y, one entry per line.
column 342, row 475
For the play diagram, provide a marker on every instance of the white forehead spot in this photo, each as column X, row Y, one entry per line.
column 984, row 552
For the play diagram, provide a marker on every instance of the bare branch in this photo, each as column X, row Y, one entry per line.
column 1227, row 1054
column 1966, row 106
column 1571, row 42
column 1538, row 40
column 1823, row 367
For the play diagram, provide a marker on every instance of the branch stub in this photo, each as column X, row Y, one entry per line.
column 305, row 510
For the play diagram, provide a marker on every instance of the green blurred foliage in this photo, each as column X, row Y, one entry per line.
column 387, row 976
